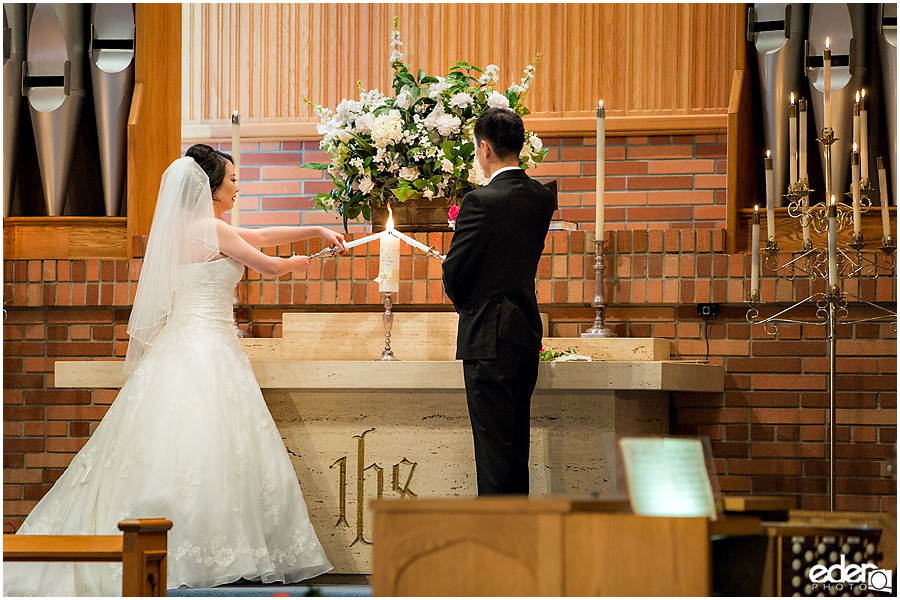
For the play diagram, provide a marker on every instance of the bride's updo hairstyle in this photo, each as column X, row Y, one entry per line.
column 212, row 162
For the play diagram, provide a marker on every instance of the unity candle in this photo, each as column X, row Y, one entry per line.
column 854, row 189
column 600, row 226
column 793, row 141
column 863, row 137
column 827, row 59
column 389, row 259
column 754, row 254
column 236, row 157
column 832, row 245
column 882, row 183
column 770, row 198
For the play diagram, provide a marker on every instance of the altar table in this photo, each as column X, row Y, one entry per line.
column 362, row 429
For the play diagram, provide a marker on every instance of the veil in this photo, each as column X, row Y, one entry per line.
column 183, row 231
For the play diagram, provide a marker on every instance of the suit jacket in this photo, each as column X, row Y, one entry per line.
column 491, row 265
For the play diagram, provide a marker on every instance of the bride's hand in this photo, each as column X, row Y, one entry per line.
column 333, row 238
column 299, row 263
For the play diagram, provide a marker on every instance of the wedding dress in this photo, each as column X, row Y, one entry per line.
column 189, row 438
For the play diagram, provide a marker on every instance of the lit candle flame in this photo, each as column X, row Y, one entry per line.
column 854, row 146
column 792, row 98
column 390, row 220
column 864, row 93
column 768, row 154
column 827, row 42
column 600, row 105
column 832, row 200
column 857, row 97
column 756, row 208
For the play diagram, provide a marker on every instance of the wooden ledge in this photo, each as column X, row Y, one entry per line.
column 65, row 238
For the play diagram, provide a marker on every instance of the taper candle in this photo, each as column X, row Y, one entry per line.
column 793, row 141
column 600, row 226
column 754, row 254
column 832, row 245
column 854, row 190
column 803, row 138
column 863, row 137
column 882, row 184
column 770, row 198
column 409, row 240
column 827, row 60
column 856, row 121
column 364, row 240
column 236, row 157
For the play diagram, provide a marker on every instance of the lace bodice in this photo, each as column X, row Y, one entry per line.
column 205, row 295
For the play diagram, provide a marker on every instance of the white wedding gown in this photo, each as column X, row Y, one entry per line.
column 189, row 438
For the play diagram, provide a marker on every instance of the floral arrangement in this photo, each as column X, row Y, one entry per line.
column 417, row 144
column 550, row 355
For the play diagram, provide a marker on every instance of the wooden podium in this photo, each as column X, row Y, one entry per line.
column 516, row 546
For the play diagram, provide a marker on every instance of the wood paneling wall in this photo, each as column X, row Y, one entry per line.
column 649, row 62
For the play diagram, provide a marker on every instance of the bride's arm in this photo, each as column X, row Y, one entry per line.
column 276, row 236
column 232, row 244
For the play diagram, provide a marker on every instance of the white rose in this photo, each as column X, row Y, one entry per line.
column 366, row 185
column 446, row 165
column 497, row 100
column 536, row 143
column 403, row 100
column 461, row 100
column 409, row 173
column 447, row 124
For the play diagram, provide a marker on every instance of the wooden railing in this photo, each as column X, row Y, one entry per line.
column 141, row 549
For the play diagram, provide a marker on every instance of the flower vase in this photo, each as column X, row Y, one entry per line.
column 416, row 214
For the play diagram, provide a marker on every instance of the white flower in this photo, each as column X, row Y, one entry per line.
column 403, row 100
column 387, row 129
column 490, row 75
column 344, row 135
column 357, row 162
column 497, row 100
column 536, row 143
column 347, row 110
column 446, row 165
column 476, row 175
column 364, row 123
column 517, row 88
column 447, row 124
column 461, row 100
column 366, row 185
column 428, row 193
column 436, row 89
column 396, row 55
column 409, row 173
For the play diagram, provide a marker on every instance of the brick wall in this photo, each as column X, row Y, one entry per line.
column 666, row 252
column 658, row 182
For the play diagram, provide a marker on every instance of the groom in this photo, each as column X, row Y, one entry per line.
column 489, row 276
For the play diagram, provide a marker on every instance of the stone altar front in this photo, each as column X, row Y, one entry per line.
column 359, row 429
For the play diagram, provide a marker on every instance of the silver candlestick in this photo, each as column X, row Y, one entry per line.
column 388, row 318
column 599, row 329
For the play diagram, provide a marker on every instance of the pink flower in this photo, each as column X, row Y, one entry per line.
column 451, row 216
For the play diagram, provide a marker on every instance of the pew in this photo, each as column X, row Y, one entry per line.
column 141, row 549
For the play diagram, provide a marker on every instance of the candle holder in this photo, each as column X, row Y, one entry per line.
column 599, row 328
column 388, row 319
column 813, row 263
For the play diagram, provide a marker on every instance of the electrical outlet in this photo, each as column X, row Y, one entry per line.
column 708, row 309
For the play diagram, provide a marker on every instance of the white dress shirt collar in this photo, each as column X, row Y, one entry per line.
column 498, row 171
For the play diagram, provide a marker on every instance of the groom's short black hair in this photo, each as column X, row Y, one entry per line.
column 503, row 129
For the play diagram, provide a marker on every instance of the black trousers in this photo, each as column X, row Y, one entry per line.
column 498, row 392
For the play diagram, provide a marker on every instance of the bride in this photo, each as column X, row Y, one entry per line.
column 189, row 437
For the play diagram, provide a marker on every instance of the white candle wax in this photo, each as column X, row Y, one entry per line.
column 832, row 244
column 363, row 240
column 854, row 189
column 863, row 137
column 793, row 141
column 856, row 122
column 409, row 240
column 882, row 183
column 827, row 58
column 600, row 225
column 389, row 264
column 236, row 156
column 770, row 198
column 803, row 139
column 754, row 254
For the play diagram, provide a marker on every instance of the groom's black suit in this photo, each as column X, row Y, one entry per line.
column 489, row 276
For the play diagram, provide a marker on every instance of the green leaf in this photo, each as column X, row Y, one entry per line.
column 315, row 165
